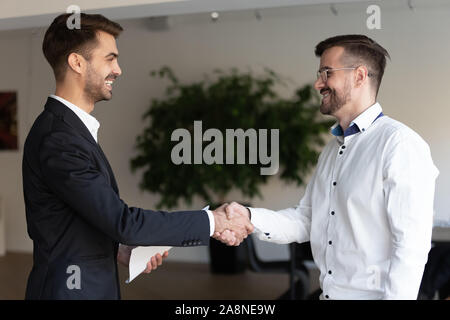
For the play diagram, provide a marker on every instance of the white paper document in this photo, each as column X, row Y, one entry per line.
column 141, row 255
column 139, row 258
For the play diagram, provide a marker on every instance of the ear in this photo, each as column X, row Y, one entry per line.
column 76, row 62
column 361, row 76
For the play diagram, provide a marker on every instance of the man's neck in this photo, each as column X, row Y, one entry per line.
column 348, row 113
column 76, row 97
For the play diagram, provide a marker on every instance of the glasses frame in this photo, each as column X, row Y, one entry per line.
column 323, row 74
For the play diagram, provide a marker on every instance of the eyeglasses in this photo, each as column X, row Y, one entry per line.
column 323, row 74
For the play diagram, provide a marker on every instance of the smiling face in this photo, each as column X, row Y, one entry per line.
column 102, row 68
column 336, row 91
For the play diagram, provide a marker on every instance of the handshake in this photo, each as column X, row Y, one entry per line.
column 232, row 223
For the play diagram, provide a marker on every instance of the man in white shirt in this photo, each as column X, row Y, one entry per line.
column 368, row 209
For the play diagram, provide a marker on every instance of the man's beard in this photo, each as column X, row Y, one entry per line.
column 335, row 100
column 95, row 89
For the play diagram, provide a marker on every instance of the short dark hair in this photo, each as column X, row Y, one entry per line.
column 359, row 49
column 60, row 41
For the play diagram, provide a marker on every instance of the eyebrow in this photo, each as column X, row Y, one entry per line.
column 325, row 67
column 115, row 55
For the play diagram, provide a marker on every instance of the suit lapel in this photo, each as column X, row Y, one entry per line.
column 65, row 114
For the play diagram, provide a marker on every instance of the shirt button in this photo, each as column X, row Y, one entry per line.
column 334, row 183
column 329, row 272
column 340, row 152
column 327, row 296
column 343, row 147
column 332, row 213
column 330, row 242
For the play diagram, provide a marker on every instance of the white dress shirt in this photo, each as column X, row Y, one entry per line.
column 93, row 125
column 367, row 211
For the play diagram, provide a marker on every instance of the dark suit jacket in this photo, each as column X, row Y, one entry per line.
column 76, row 218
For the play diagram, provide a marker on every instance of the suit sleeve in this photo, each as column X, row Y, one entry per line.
column 69, row 170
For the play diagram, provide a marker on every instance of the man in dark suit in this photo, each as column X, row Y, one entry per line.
column 75, row 216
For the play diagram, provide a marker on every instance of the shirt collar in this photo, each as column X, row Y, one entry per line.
column 89, row 121
column 360, row 123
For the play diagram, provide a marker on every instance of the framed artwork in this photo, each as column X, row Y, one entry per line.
column 8, row 120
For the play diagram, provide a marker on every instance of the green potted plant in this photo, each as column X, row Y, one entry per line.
column 225, row 100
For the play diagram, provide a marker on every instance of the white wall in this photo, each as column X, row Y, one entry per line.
column 413, row 91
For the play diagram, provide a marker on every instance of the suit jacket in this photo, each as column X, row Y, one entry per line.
column 76, row 218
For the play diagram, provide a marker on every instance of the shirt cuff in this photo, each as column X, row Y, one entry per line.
column 212, row 224
column 256, row 219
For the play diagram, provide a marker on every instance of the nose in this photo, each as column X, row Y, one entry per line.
column 319, row 84
column 117, row 71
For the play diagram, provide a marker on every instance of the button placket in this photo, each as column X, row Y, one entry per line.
column 341, row 149
column 329, row 250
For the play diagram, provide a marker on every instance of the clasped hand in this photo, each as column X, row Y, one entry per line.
column 232, row 223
